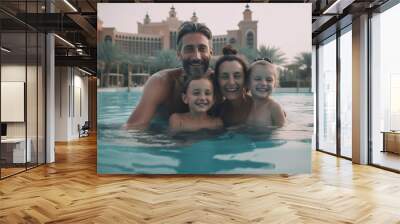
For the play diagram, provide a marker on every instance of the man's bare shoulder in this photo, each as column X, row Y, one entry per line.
column 166, row 75
column 162, row 80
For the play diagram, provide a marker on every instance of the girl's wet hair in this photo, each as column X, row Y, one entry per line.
column 266, row 63
column 187, row 82
column 230, row 54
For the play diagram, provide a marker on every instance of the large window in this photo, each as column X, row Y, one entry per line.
column 346, row 93
column 13, row 147
column 335, row 74
column 22, row 93
column 385, row 88
column 250, row 39
column 327, row 95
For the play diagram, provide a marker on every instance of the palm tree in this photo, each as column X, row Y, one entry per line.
column 289, row 75
column 249, row 53
column 273, row 53
column 108, row 54
column 166, row 59
column 303, row 61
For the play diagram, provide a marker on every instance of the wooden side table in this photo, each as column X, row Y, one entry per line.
column 391, row 141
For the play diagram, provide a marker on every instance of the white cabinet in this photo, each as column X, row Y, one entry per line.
column 18, row 149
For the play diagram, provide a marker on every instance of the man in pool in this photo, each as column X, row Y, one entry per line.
column 162, row 94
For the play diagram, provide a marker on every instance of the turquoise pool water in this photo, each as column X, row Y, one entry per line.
column 246, row 150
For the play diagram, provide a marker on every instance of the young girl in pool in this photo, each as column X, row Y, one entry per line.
column 198, row 94
column 262, row 80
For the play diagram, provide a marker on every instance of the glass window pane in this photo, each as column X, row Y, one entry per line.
column 14, row 153
column 327, row 96
column 385, row 82
column 41, row 98
column 31, row 97
column 346, row 94
column 22, row 76
column 313, row 84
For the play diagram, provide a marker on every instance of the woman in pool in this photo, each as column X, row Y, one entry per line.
column 198, row 94
column 231, row 72
column 262, row 80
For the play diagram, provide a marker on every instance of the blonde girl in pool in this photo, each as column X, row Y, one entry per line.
column 198, row 94
column 262, row 80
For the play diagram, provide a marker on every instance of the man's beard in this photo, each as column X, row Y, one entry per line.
column 195, row 67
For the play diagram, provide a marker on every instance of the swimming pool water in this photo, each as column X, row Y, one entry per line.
column 244, row 150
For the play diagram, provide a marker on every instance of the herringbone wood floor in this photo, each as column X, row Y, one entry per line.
column 70, row 191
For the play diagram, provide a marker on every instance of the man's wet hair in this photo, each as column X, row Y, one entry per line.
column 192, row 27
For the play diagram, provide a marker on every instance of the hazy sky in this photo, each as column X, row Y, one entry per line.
column 287, row 26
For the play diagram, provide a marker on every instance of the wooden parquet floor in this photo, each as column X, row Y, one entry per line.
column 70, row 191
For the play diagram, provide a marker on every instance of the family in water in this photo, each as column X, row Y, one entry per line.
column 194, row 97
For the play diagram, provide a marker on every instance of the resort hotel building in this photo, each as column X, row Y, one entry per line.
column 152, row 37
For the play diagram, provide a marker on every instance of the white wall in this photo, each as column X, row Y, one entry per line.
column 81, row 82
column 62, row 81
column 71, row 87
column 79, row 110
column 13, row 73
